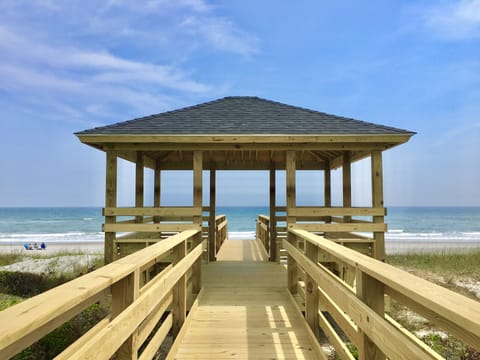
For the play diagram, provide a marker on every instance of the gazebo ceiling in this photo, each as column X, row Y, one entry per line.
column 241, row 133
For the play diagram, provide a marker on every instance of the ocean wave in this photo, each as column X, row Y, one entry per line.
column 433, row 237
column 241, row 235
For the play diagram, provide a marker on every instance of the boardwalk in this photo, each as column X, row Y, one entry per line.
column 245, row 311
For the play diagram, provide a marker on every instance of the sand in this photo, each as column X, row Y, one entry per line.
column 55, row 248
column 80, row 257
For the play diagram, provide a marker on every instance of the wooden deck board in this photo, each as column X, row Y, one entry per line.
column 245, row 312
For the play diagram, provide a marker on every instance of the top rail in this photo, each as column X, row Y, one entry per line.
column 25, row 323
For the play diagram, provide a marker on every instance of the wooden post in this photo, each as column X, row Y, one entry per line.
column 197, row 203
column 139, row 184
column 273, row 219
column 347, row 183
column 110, row 202
column 311, row 291
column 377, row 202
column 290, row 167
column 212, row 244
column 124, row 292
column 327, row 189
column 179, row 291
column 157, row 190
column 371, row 291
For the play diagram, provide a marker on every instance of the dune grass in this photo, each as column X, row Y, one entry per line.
column 464, row 264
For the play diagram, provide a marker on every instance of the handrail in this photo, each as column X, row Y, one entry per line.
column 135, row 305
column 359, row 309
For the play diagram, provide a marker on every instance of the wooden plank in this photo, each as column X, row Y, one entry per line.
column 110, row 201
column 345, row 323
column 377, row 202
column 151, row 320
column 78, row 344
column 339, row 227
column 164, row 211
column 306, row 211
column 149, row 227
column 154, row 344
column 341, row 350
column 212, row 245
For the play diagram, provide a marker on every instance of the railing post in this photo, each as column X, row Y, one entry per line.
column 371, row 292
column 292, row 267
column 179, row 291
column 311, row 291
column 124, row 292
column 110, row 202
column 197, row 268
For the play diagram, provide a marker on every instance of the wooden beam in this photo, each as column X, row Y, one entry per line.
column 312, row 211
column 157, row 190
column 179, row 291
column 291, row 203
column 246, row 139
column 371, row 292
column 139, row 184
column 174, row 164
column 347, row 182
column 377, row 202
column 110, row 201
column 273, row 220
column 124, row 293
column 327, row 191
column 350, row 227
column 211, row 222
column 198, row 220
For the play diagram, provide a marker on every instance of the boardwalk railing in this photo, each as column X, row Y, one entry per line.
column 221, row 231
column 145, row 304
column 353, row 296
column 263, row 231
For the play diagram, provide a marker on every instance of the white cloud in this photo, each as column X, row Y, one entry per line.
column 454, row 20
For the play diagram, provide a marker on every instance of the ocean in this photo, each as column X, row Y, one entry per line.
column 410, row 228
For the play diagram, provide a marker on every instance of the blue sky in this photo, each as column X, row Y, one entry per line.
column 66, row 66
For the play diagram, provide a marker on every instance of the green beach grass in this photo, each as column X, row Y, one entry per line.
column 466, row 264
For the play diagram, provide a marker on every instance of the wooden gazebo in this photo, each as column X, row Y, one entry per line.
column 244, row 133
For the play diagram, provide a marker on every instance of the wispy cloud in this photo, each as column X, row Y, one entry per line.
column 455, row 20
column 94, row 61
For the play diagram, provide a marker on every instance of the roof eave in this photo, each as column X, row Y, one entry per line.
column 244, row 138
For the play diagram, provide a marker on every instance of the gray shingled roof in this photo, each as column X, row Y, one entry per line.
column 243, row 115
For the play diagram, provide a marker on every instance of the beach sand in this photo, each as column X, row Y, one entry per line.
column 54, row 248
column 81, row 256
